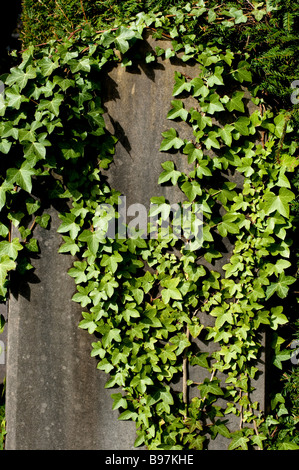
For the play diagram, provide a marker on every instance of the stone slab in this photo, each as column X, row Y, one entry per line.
column 55, row 396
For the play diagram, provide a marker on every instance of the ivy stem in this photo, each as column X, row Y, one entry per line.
column 83, row 11
column 185, row 375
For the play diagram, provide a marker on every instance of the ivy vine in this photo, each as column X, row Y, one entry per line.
column 147, row 300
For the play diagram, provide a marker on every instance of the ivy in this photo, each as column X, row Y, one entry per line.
column 147, row 299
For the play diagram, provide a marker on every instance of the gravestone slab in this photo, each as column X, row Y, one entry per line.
column 55, row 396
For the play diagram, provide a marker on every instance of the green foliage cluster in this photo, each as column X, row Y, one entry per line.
column 56, row 18
column 144, row 298
column 267, row 30
column 147, row 299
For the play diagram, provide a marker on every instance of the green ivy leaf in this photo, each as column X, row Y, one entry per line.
column 235, row 103
column 210, row 387
column 180, row 84
column 280, row 202
column 191, row 189
column 10, row 249
column 47, row 66
column 211, row 140
column 118, row 401
column 18, row 76
column 169, row 173
column 21, row 176
column 170, row 290
column 226, row 134
column 239, row 441
column 69, row 225
column 241, row 125
column 280, row 287
column 122, row 37
column 92, row 239
column 170, row 140
column 178, row 111
column 243, row 74
column 6, row 265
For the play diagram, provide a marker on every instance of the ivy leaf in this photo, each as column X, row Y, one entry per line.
column 52, row 105
column 191, row 189
column 199, row 88
column 127, row 414
column 236, row 103
column 242, row 74
column 122, row 37
column 220, row 428
column 93, row 240
column 180, row 84
column 287, row 445
column 279, row 125
column 88, row 323
column 170, row 290
column 130, row 312
column 167, row 353
column 203, row 170
column 10, row 249
column 118, row 401
column 20, row 77
column 280, row 287
column 69, row 246
column 43, row 220
column 78, row 272
column 21, row 176
column 241, row 125
column 14, row 97
column 47, row 66
column 111, row 261
column 112, row 335
column 79, row 65
column 278, row 202
column 226, row 134
column 277, row 317
column 169, row 173
column 238, row 15
column 239, row 441
column 69, row 225
column 223, row 316
column 170, row 140
column 6, row 264
column 214, row 105
column 211, row 140
column 210, row 387
column 4, row 188
column 216, row 78
column 192, row 152
column 37, row 148
column 178, row 111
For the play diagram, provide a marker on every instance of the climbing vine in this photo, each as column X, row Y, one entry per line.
column 146, row 301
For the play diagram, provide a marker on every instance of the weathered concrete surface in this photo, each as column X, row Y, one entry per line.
column 55, row 397
column 137, row 101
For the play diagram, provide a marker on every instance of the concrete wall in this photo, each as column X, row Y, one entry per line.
column 55, row 396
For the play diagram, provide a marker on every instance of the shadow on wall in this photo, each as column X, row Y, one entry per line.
column 9, row 37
